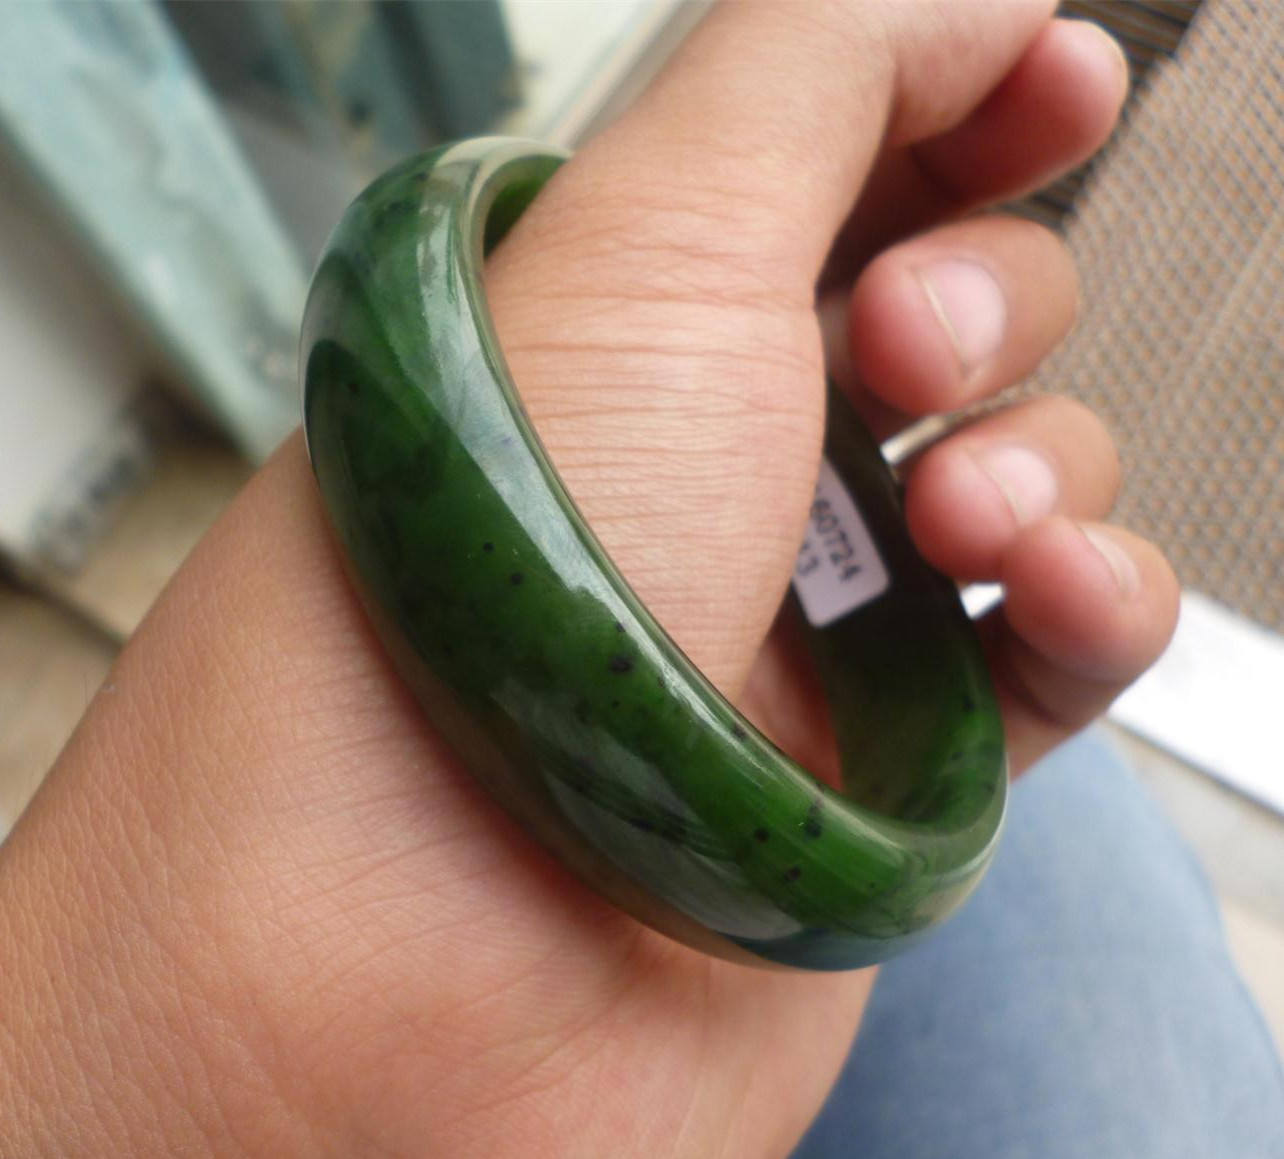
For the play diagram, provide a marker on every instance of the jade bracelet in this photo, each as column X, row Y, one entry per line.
column 534, row 659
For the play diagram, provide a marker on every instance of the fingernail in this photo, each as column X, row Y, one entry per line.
column 1025, row 478
column 1127, row 577
column 1098, row 42
column 970, row 306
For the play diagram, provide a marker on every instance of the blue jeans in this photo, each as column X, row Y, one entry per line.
column 1082, row 1006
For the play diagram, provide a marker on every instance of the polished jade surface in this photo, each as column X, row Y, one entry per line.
column 531, row 655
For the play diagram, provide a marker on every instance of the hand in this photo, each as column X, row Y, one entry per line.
column 258, row 907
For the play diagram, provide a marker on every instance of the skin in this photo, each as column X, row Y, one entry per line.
column 257, row 907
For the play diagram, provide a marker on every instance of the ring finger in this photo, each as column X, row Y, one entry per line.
column 970, row 495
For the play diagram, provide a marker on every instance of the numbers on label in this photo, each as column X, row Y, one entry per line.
column 838, row 566
column 827, row 540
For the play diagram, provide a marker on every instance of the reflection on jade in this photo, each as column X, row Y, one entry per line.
column 531, row 655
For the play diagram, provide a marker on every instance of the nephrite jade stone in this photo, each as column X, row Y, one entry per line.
column 531, row 655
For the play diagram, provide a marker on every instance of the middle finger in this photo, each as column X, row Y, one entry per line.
column 948, row 318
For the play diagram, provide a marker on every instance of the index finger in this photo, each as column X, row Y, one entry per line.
column 765, row 125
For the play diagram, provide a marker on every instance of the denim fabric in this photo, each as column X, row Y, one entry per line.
column 1082, row 1006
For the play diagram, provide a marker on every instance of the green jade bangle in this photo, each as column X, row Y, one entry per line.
column 532, row 656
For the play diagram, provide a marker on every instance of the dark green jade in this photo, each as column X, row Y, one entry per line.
column 532, row 656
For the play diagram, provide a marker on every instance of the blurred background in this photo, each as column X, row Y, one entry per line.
column 170, row 170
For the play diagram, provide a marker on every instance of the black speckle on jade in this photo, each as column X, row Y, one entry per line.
column 533, row 658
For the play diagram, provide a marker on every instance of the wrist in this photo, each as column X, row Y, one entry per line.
column 116, row 1039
